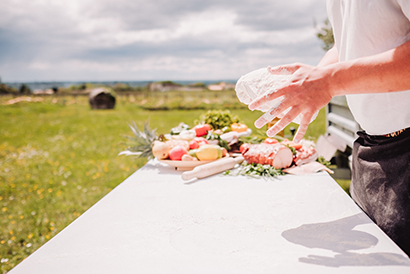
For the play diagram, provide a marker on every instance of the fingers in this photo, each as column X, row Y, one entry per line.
column 275, row 93
column 270, row 97
column 286, row 120
column 277, row 111
column 265, row 118
column 282, row 123
column 304, row 123
column 280, row 70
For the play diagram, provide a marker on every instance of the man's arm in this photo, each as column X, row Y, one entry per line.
column 385, row 72
column 311, row 88
column 331, row 57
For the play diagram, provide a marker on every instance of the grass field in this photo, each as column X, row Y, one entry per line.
column 58, row 157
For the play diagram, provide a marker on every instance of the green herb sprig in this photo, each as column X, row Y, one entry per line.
column 219, row 119
column 255, row 170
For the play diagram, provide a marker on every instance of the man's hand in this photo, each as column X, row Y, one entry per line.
column 306, row 93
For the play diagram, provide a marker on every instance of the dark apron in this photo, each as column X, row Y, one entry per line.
column 381, row 183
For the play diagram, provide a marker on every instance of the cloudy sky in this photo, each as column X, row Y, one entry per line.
column 98, row 40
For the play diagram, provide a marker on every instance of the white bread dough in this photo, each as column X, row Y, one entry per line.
column 259, row 83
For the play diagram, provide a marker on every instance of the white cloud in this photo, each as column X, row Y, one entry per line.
column 145, row 40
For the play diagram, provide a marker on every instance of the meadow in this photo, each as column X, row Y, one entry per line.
column 58, row 157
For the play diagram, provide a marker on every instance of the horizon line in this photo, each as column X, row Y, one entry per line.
column 102, row 81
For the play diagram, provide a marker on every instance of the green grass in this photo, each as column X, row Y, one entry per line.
column 345, row 184
column 59, row 158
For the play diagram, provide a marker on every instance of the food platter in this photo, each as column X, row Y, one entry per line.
column 185, row 165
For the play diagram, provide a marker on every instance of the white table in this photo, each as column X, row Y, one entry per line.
column 154, row 222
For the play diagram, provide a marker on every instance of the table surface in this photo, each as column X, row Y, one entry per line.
column 154, row 222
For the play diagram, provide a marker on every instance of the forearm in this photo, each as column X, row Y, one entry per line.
column 385, row 72
column 331, row 57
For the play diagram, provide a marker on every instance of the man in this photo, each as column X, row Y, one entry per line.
column 370, row 64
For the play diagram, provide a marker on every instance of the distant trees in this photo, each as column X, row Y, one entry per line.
column 122, row 87
column 81, row 87
column 4, row 89
column 24, row 89
column 325, row 33
column 169, row 83
column 198, row 85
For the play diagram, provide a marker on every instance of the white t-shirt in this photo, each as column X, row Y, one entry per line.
column 367, row 27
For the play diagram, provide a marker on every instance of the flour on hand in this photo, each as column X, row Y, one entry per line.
column 260, row 83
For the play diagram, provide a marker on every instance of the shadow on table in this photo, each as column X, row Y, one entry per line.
column 339, row 236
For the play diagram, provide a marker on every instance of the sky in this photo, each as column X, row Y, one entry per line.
column 133, row 40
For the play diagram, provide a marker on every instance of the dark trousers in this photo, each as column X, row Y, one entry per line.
column 381, row 183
